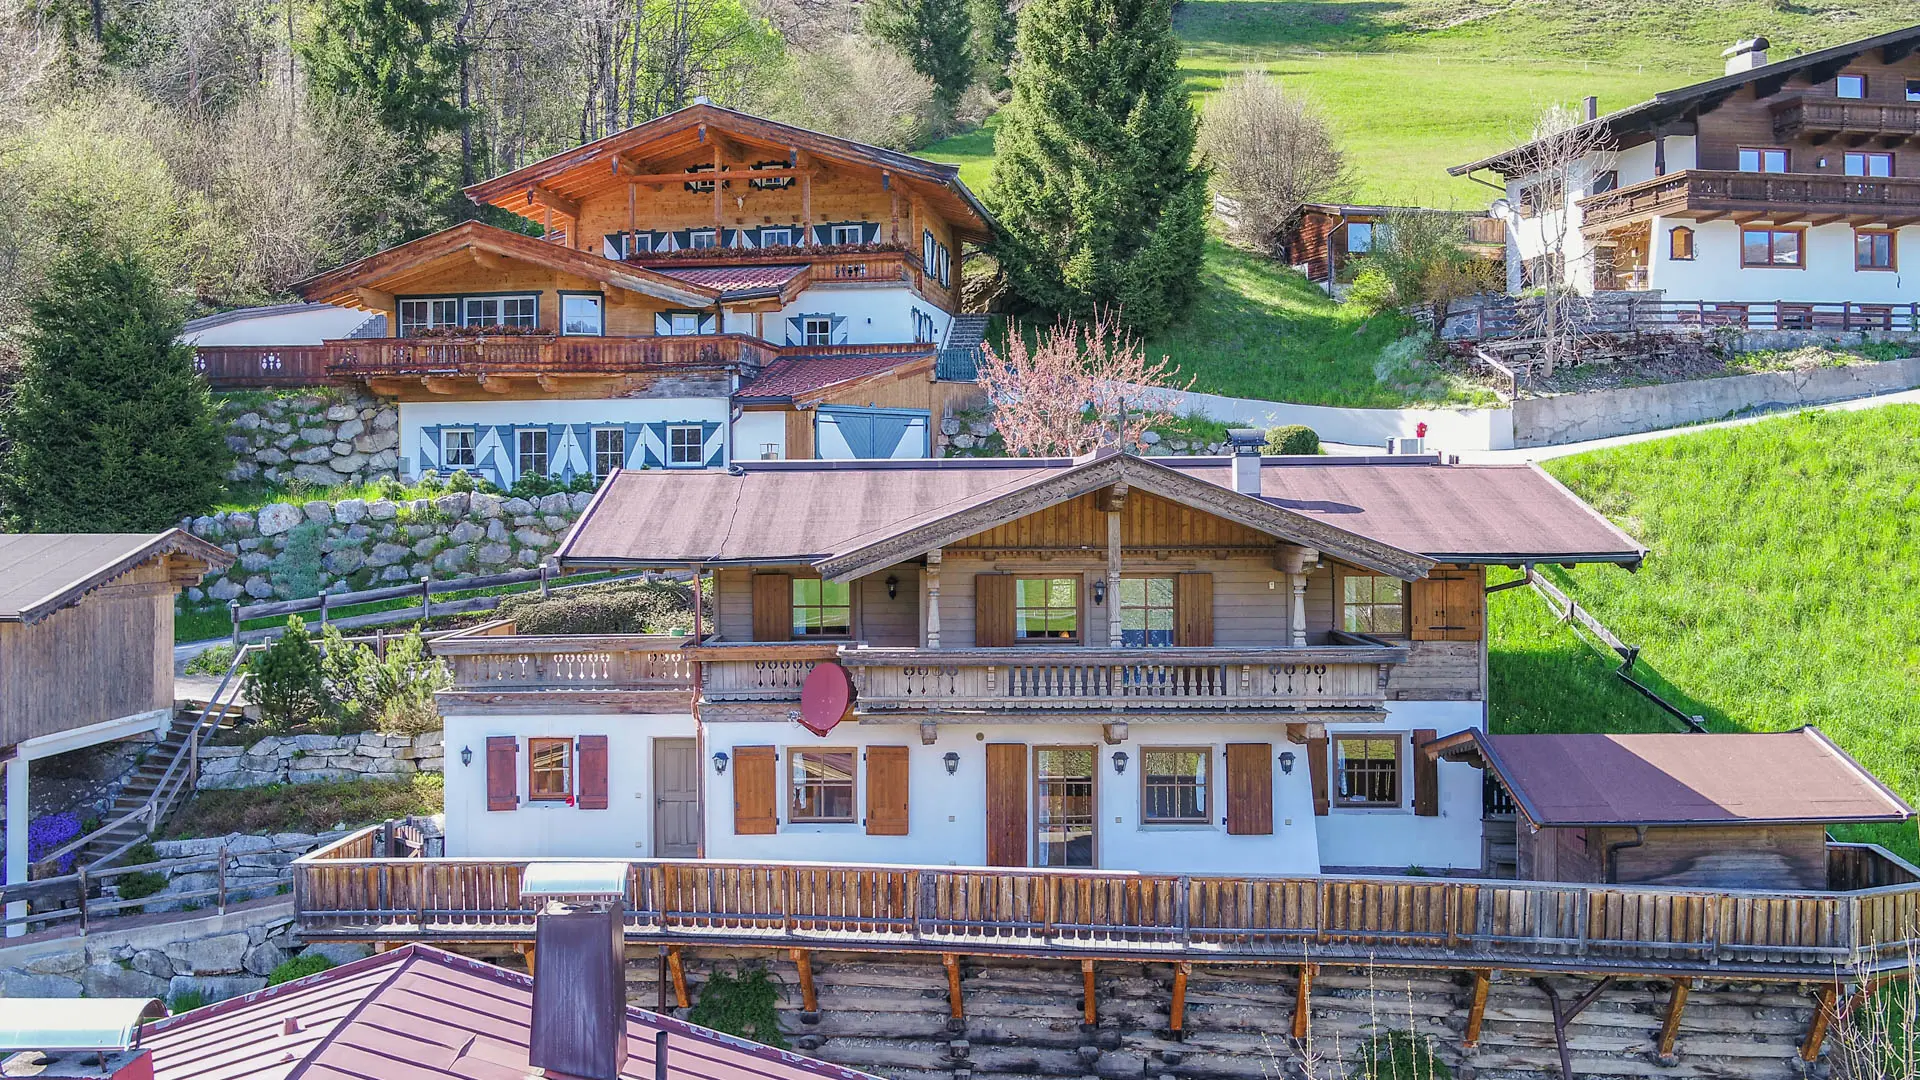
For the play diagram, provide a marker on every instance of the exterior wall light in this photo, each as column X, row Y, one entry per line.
column 952, row 759
column 720, row 761
column 466, row 755
column 1099, row 590
column 893, row 587
column 1119, row 761
column 1286, row 762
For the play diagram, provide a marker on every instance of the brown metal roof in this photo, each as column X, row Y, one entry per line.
column 798, row 376
column 1687, row 779
column 734, row 279
column 806, row 511
column 418, row 1013
column 41, row 573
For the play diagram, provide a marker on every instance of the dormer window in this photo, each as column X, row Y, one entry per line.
column 700, row 239
column 848, row 234
column 1850, row 86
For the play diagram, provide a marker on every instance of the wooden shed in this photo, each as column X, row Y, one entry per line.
column 1734, row 810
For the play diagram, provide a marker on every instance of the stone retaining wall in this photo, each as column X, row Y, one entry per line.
column 319, row 438
column 359, row 544
column 309, row 759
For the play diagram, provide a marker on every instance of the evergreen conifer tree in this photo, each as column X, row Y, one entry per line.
column 109, row 429
column 1099, row 200
column 993, row 29
column 399, row 57
column 936, row 38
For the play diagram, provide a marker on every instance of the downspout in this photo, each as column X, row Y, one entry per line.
column 1610, row 863
column 699, row 729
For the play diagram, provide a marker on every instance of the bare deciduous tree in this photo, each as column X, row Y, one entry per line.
column 1272, row 152
column 1083, row 386
column 857, row 89
column 1557, row 164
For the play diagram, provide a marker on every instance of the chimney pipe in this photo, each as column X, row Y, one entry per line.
column 1246, row 444
column 1746, row 55
column 1591, row 106
column 579, row 983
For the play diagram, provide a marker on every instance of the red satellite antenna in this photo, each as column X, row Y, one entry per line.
column 826, row 698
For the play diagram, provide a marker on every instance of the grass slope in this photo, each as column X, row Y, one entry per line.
column 1783, row 589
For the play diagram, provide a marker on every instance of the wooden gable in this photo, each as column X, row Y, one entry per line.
column 1148, row 523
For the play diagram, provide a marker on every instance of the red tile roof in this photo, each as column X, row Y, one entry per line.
column 732, row 279
column 418, row 1013
column 807, row 374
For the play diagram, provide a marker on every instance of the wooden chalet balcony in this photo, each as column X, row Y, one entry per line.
column 1779, row 197
column 1820, row 120
column 345, row 892
column 636, row 669
column 825, row 264
column 231, row 367
column 1071, row 678
column 367, row 358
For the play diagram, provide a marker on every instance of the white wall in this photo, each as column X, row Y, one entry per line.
column 1395, row 838
column 753, row 429
column 874, row 315
column 415, row 416
column 1715, row 272
column 622, row 831
column 292, row 328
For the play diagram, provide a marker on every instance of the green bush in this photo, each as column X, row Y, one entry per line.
column 298, row 968
column 1292, row 439
column 744, row 1003
column 300, row 571
column 185, row 1001
column 1372, row 289
column 213, row 660
column 289, row 683
column 1399, row 1055
column 651, row 608
column 140, row 884
column 393, row 692
column 461, row 481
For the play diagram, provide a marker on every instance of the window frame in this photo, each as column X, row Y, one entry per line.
column 600, row 454
column 1204, row 786
column 521, row 453
column 700, row 448
column 694, row 236
column 1338, row 795
column 1604, row 181
column 1913, row 89
column 1172, row 608
column 834, row 232
column 673, row 323
column 1356, row 229
column 1800, row 248
column 1841, row 79
column 807, row 323
column 1079, row 618
column 1762, row 153
column 1867, row 158
column 1372, row 604
column 1036, row 787
column 472, row 449
column 789, row 230
column 795, row 784
column 1892, row 238
column 537, row 743
column 402, row 326
column 798, row 632
column 1673, row 248
column 599, row 310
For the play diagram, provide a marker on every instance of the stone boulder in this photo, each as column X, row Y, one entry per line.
column 276, row 518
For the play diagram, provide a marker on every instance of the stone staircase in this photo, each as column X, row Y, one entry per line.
column 968, row 331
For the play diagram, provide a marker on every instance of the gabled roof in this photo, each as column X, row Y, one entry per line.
column 418, row 1013
column 1401, row 514
column 1819, row 65
column 1734, row 778
column 799, row 378
column 338, row 285
column 40, row 573
column 594, row 163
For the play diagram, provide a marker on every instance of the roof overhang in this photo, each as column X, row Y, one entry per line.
column 885, row 548
column 195, row 556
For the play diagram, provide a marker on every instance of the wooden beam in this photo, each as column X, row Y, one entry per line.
column 804, row 163
column 527, row 955
column 1477, row 1010
column 803, row 963
column 1676, row 1005
column 1088, row 1006
column 1709, row 215
column 487, row 260
column 952, row 964
column 1823, row 1010
column 539, row 196
column 1303, row 1001
column 1177, row 1013
column 718, row 174
column 1750, row 216
column 678, row 969
column 1824, row 219
column 718, row 203
column 496, row 384
column 436, row 385
column 374, row 298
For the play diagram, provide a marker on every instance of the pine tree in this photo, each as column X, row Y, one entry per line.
column 109, row 429
column 399, row 57
column 936, row 38
column 1099, row 200
column 993, row 29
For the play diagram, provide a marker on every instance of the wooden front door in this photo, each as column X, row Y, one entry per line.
column 1006, row 804
column 676, row 799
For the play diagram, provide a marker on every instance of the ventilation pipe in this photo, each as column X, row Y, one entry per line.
column 1746, row 55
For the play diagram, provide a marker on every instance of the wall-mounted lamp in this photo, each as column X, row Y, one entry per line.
column 1286, row 762
column 953, row 762
column 893, row 587
column 1099, row 590
column 466, row 755
column 1119, row 761
column 720, row 761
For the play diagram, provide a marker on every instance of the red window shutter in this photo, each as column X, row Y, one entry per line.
column 1250, row 789
column 756, row 783
column 992, row 611
column 886, row 791
column 1317, row 769
column 1426, row 776
column 593, row 772
column 503, row 772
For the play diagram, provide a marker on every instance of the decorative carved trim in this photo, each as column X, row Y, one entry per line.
column 1319, row 717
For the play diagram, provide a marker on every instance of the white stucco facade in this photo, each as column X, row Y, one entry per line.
column 645, row 425
column 1829, row 274
column 760, row 436
column 868, row 314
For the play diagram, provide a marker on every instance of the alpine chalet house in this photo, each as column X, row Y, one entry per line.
column 1780, row 195
column 694, row 257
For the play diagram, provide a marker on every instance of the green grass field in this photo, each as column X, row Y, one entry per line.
column 1783, row 589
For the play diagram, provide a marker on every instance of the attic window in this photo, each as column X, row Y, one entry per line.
column 699, row 186
column 771, row 183
column 1850, row 86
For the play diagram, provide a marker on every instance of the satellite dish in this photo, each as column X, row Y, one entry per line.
column 826, row 698
column 1500, row 208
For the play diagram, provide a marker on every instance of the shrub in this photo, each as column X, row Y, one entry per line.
column 213, row 660
column 299, row 570
column 1272, row 152
column 461, row 481
column 367, row 690
column 298, row 967
column 653, row 607
column 1399, row 1055
column 185, row 1001
column 742, row 1003
column 1292, row 439
column 1372, row 289
column 857, row 89
column 288, row 681
column 390, row 489
column 140, row 884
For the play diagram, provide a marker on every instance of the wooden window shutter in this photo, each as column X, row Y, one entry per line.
column 1447, row 605
column 1006, row 804
column 592, row 787
column 1426, row 776
column 1250, row 789
column 503, row 772
column 756, row 784
column 886, row 791
column 1466, row 605
column 772, row 607
column 1193, row 610
column 992, row 611
column 1317, row 770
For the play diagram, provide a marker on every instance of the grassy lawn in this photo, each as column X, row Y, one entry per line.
column 306, row 807
column 1783, row 589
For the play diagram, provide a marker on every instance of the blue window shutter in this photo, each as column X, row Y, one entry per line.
column 682, row 239
column 796, row 331
column 709, row 324
column 838, row 329
column 662, row 323
column 870, row 230
column 618, row 242
column 822, row 234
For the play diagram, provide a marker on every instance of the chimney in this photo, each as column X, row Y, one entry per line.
column 1246, row 443
column 1590, row 106
column 1746, row 55
column 579, row 961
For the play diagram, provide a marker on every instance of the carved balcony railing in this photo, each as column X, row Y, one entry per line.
column 541, row 355
column 1820, row 119
column 758, row 671
column 1783, row 197
column 233, row 367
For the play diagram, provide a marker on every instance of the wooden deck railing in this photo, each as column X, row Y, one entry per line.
column 541, row 355
column 891, row 680
column 340, row 894
column 1488, row 318
column 1718, row 190
column 486, row 662
column 1798, row 117
column 233, row 367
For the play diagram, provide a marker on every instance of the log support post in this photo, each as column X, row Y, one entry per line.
column 1823, row 1011
column 1303, row 1001
column 527, row 956
column 809, row 996
column 952, row 963
column 1676, row 1006
column 1177, row 1014
column 933, row 599
column 678, row 969
column 1089, row 1012
column 1477, row 1009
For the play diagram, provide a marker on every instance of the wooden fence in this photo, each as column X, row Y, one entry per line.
column 1491, row 318
column 341, row 893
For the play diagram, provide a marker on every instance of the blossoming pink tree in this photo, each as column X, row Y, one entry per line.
column 1083, row 386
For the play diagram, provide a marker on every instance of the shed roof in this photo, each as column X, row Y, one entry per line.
column 1734, row 778
column 41, row 573
column 418, row 1013
column 729, row 280
column 799, row 376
